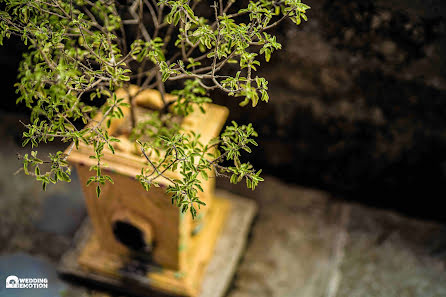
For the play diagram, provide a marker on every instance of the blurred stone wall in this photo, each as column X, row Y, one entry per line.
column 358, row 103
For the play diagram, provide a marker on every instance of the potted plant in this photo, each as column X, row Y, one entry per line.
column 95, row 75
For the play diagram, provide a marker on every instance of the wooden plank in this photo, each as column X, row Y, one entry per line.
column 230, row 246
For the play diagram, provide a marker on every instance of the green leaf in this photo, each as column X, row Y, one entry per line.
column 98, row 191
column 204, row 175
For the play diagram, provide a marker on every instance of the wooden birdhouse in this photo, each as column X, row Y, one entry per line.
column 139, row 232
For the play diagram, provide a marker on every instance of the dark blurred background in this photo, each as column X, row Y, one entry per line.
column 358, row 103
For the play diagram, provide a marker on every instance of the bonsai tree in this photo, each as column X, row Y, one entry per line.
column 80, row 52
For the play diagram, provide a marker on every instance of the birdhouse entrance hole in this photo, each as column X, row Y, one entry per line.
column 129, row 235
